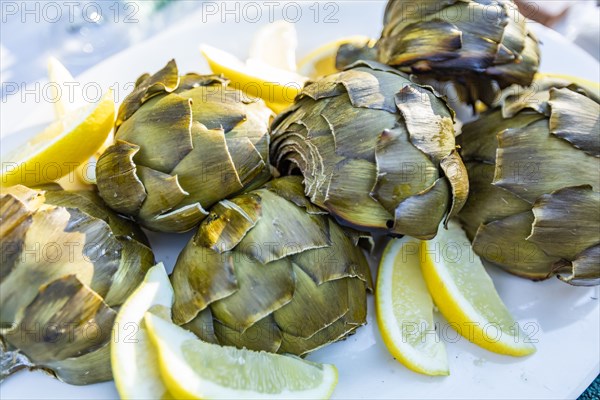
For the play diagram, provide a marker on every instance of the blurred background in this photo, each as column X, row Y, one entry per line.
column 83, row 33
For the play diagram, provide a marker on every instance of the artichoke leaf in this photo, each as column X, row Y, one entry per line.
column 248, row 162
column 164, row 192
column 136, row 259
column 487, row 202
column 299, row 345
column 576, row 119
column 584, row 270
column 426, row 41
column 79, row 245
column 531, row 162
column 314, row 307
column 168, row 116
column 86, row 369
column 504, row 243
column 334, row 262
column 263, row 289
column 203, row 326
column 218, row 107
column 349, row 53
column 228, row 223
column 429, row 122
column 456, row 173
column 15, row 220
column 117, row 180
column 480, row 136
column 290, row 188
column 351, row 125
column 348, row 196
column 164, row 81
column 402, row 169
column 419, row 215
column 66, row 319
column 264, row 335
column 566, row 234
column 283, row 230
column 202, row 277
column 208, row 170
column 179, row 220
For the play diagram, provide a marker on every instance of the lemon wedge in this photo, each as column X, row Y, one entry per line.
column 195, row 369
column 465, row 294
column 60, row 80
column 580, row 81
column 405, row 310
column 276, row 86
column 61, row 147
column 275, row 45
column 133, row 357
column 321, row 61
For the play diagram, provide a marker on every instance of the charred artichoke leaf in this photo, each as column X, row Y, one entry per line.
column 80, row 245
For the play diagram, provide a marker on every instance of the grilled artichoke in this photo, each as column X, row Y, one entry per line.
column 67, row 263
column 375, row 150
column 182, row 144
column 478, row 46
column 534, row 170
column 267, row 270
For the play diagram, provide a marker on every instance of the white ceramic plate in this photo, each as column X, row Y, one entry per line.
column 564, row 320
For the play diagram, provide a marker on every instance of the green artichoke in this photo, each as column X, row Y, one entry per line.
column 479, row 46
column 534, row 171
column 183, row 143
column 267, row 270
column 67, row 263
column 375, row 150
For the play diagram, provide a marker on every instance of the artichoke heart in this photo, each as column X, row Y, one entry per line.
column 534, row 170
column 269, row 271
column 375, row 150
column 182, row 144
column 477, row 46
column 67, row 263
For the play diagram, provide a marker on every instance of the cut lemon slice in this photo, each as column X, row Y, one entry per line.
column 321, row 61
column 405, row 310
column 465, row 294
column 275, row 45
column 195, row 369
column 64, row 145
column 133, row 357
column 276, row 86
column 595, row 86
